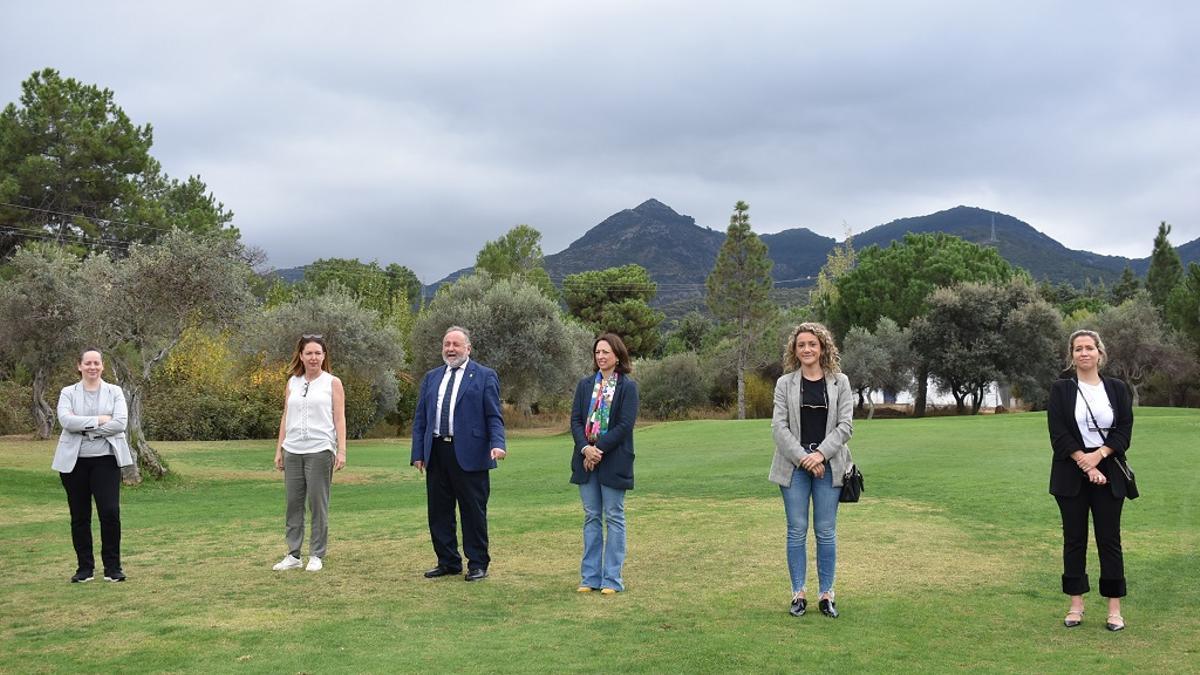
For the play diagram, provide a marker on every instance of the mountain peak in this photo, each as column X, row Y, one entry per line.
column 654, row 208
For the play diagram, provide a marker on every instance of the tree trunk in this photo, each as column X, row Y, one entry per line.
column 960, row 398
column 922, row 390
column 43, row 414
column 147, row 458
column 741, row 410
column 870, row 406
column 977, row 400
column 1137, row 399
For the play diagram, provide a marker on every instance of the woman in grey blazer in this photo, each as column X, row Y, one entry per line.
column 811, row 425
column 91, row 451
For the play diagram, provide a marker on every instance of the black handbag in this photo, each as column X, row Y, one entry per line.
column 852, row 485
column 1131, row 488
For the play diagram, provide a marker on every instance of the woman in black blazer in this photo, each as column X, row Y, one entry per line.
column 602, row 419
column 1091, row 422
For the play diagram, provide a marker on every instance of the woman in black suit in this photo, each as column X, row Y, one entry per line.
column 602, row 419
column 1091, row 422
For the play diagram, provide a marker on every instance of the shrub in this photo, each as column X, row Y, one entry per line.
column 670, row 387
column 16, row 405
column 760, row 396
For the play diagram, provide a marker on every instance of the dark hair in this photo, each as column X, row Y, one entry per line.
column 624, row 365
column 297, row 366
column 89, row 349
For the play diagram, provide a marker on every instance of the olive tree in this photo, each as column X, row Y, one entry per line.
column 514, row 328
column 39, row 319
column 365, row 350
column 139, row 308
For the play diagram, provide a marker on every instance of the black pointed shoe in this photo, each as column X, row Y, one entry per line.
column 1074, row 618
column 799, row 607
column 1115, row 623
column 475, row 575
column 828, row 608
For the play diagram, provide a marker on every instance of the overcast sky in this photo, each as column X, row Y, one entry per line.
column 412, row 132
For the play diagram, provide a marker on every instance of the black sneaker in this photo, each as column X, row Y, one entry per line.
column 828, row 608
column 115, row 575
column 83, row 576
column 799, row 607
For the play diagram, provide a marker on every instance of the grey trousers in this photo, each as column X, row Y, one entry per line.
column 307, row 477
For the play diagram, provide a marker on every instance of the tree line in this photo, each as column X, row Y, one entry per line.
column 99, row 248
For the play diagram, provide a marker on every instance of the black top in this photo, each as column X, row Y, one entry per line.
column 1065, row 477
column 814, row 410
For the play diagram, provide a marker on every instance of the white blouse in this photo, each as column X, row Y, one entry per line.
column 309, row 428
column 1093, row 396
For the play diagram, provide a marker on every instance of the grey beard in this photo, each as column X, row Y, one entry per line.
column 454, row 363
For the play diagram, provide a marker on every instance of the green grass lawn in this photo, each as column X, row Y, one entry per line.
column 951, row 561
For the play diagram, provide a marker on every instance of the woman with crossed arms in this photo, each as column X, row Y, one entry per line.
column 90, row 453
column 1091, row 423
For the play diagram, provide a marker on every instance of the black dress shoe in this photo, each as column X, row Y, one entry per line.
column 475, row 575
column 114, row 575
column 799, row 607
column 440, row 571
column 828, row 608
column 83, row 576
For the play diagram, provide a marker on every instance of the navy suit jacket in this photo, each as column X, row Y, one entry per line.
column 478, row 420
column 1065, row 477
column 616, row 468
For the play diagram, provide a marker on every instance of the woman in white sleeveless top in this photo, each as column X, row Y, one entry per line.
column 312, row 445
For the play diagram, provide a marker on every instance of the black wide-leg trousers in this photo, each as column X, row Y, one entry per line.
column 1106, row 522
column 97, row 478
column 447, row 484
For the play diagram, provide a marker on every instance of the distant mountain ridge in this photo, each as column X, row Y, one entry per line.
column 679, row 253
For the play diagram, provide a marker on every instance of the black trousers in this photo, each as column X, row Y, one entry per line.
column 445, row 485
column 96, row 478
column 1106, row 522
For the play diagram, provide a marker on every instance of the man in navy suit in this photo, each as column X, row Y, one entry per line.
column 457, row 436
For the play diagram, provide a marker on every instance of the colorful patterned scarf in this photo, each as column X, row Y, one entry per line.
column 601, row 406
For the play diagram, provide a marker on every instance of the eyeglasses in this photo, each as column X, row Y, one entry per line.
column 305, row 394
column 312, row 336
column 824, row 405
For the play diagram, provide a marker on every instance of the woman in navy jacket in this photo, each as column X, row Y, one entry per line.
column 602, row 419
column 1091, row 421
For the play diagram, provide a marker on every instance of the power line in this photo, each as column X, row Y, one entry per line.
column 72, row 238
column 86, row 217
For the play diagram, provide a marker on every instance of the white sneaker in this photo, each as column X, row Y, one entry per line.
column 314, row 564
column 289, row 562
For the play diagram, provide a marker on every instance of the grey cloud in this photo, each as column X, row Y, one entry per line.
column 346, row 130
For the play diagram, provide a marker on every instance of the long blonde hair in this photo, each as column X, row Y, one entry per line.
column 830, row 359
column 1099, row 347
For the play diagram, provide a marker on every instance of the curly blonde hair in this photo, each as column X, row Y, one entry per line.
column 830, row 359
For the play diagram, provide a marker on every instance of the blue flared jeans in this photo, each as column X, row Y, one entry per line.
column 823, row 496
column 603, row 552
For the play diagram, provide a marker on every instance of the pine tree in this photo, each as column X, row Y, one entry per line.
column 739, row 290
column 1126, row 287
column 1166, row 270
